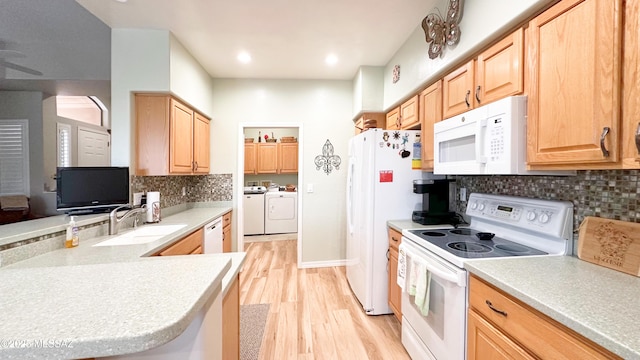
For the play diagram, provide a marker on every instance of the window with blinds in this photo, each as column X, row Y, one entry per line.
column 14, row 157
column 64, row 145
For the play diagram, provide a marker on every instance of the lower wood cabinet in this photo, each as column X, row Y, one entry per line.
column 231, row 322
column 502, row 327
column 395, row 293
column 226, row 232
column 190, row 244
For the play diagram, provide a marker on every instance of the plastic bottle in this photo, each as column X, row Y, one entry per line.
column 72, row 239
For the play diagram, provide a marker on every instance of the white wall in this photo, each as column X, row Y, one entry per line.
column 482, row 22
column 368, row 90
column 324, row 108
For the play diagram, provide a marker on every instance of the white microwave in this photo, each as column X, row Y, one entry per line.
column 489, row 140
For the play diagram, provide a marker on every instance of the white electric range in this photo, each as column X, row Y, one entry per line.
column 499, row 227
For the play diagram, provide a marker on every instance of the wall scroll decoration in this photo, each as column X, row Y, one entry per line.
column 327, row 161
column 396, row 73
column 439, row 31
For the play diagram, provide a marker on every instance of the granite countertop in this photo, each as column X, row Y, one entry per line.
column 599, row 303
column 110, row 300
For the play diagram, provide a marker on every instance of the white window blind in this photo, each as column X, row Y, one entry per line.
column 64, row 145
column 14, row 157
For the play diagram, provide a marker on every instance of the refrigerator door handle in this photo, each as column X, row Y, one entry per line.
column 350, row 195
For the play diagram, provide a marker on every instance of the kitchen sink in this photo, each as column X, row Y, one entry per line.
column 142, row 235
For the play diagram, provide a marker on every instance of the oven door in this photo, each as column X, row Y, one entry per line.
column 441, row 333
column 459, row 144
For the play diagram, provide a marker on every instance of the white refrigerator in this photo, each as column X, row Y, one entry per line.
column 382, row 167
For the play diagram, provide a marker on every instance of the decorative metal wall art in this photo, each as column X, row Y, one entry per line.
column 327, row 161
column 439, row 31
column 396, row 73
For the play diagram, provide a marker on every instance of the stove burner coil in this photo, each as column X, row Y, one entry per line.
column 469, row 247
column 461, row 231
column 433, row 233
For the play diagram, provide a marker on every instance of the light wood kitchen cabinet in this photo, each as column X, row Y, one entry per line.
column 250, row 158
column 231, row 321
column 190, row 244
column 430, row 113
column 226, row 233
column 404, row 116
column 288, row 158
column 630, row 88
column 574, row 58
column 171, row 137
column 496, row 73
column 380, row 118
column 267, row 158
column 395, row 293
column 500, row 324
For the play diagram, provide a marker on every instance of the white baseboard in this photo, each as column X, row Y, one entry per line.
column 320, row 264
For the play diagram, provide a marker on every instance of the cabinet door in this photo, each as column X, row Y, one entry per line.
column 430, row 113
column 201, row 144
column 394, row 290
column 457, row 96
column 409, row 113
column 267, row 158
column 152, row 134
column 186, row 245
column 393, row 120
column 630, row 88
column 288, row 158
column 500, row 69
column 358, row 125
column 486, row 342
column 574, row 98
column 226, row 239
column 180, row 138
column 250, row 158
column 231, row 322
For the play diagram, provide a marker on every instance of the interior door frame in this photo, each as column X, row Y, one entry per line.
column 239, row 181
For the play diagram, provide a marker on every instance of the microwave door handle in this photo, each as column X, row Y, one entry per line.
column 480, row 138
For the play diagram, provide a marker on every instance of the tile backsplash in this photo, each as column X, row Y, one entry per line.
column 198, row 188
column 610, row 194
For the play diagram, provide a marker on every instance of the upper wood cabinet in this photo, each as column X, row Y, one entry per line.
column 171, row 137
column 267, row 158
column 430, row 113
column 496, row 73
column 404, row 116
column 250, row 157
column 574, row 52
column 380, row 118
column 630, row 88
column 288, row 155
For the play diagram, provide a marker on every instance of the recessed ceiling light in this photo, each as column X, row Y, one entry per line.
column 331, row 59
column 244, row 57
column 122, row 1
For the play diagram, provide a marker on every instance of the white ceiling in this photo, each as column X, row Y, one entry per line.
column 287, row 39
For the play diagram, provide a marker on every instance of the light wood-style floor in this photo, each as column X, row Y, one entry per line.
column 313, row 313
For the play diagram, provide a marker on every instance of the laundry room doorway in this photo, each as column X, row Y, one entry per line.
column 269, row 177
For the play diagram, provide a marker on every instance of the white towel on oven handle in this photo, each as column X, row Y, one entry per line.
column 401, row 273
column 423, row 288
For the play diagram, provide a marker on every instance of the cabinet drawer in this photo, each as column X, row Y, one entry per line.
column 226, row 219
column 540, row 334
column 395, row 238
column 186, row 246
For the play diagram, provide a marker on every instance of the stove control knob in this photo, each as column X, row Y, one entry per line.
column 544, row 218
column 531, row 215
column 481, row 207
column 474, row 205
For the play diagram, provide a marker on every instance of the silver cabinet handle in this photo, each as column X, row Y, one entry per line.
column 466, row 98
column 638, row 138
column 478, row 94
column 490, row 305
column 605, row 131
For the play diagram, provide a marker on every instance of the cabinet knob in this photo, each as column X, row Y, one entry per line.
column 638, row 138
column 605, row 131
column 466, row 98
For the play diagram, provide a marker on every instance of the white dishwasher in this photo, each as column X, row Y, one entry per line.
column 213, row 237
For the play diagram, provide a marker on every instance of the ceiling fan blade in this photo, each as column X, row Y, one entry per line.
column 5, row 53
column 19, row 68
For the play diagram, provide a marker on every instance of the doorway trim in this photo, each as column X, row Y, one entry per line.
column 239, row 181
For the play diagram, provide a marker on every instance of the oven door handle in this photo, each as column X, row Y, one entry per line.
column 446, row 275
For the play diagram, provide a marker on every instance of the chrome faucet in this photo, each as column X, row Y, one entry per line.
column 115, row 220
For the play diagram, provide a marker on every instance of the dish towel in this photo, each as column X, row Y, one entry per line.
column 401, row 273
column 414, row 269
column 423, row 289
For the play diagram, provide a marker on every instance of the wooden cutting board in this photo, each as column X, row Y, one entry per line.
column 610, row 243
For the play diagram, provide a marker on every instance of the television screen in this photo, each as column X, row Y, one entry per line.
column 91, row 189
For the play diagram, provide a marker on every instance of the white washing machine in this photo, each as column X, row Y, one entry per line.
column 280, row 212
column 253, row 207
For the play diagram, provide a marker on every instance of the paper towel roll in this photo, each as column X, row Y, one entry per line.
column 153, row 206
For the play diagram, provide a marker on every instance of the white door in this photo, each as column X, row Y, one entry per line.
column 93, row 148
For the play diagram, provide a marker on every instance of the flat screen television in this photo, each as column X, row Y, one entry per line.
column 83, row 190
